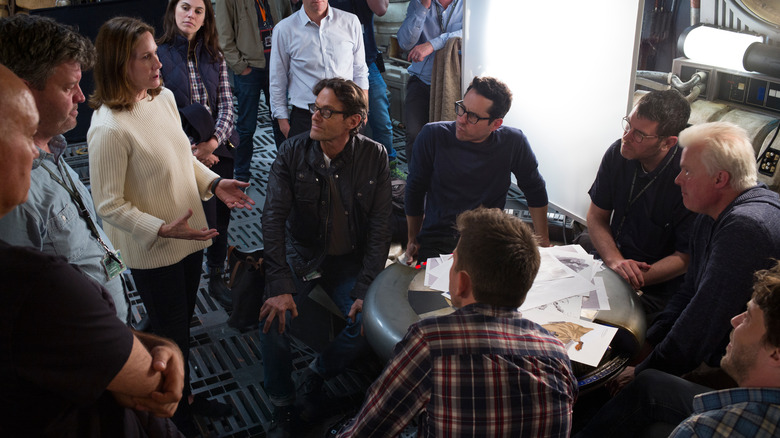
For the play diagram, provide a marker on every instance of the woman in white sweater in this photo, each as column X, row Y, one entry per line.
column 146, row 184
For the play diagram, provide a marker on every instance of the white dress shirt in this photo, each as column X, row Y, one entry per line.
column 303, row 53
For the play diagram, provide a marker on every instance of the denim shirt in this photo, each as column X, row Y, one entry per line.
column 49, row 221
column 423, row 25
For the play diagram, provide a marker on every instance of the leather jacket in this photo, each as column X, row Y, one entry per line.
column 296, row 221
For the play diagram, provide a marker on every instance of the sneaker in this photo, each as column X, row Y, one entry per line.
column 282, row 423
column 311, row 400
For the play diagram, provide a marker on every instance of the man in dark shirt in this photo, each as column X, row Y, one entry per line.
column 325, row 221
column 637, row 221
column 69, row 366
column 734, row 235
column 465, row 164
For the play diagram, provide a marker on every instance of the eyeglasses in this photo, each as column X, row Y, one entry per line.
column 470, row 117
column 637, row 136
column 326, row 113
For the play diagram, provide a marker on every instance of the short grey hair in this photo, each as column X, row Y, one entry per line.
column 726, row 147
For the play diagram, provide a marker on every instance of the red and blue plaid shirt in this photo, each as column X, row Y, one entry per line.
column 481, row 371
column 224, row 118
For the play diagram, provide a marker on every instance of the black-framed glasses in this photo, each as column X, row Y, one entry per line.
column 637, row 136
column 326, row 113
column 470, row 117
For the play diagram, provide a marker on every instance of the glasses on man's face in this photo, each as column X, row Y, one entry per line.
column 636, row 136
column 326, row 113
column 470, row 117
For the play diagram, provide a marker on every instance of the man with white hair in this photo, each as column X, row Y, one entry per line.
column 736, row 233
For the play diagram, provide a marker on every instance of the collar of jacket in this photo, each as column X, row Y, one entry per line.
column 315, row 159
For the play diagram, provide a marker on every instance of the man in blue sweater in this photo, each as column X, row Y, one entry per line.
column 461, row 165
column 735, row 234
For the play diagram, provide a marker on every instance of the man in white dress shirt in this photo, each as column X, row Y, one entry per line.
column 317, row 42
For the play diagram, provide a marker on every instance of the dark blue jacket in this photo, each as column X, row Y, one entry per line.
column 174, row 71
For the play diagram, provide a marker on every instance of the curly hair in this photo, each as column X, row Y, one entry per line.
column 33, row 46
column 766, row 295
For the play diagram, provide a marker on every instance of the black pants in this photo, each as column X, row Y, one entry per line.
column 218, row 217
column 300, row 121
column 169, row 294
column 418, row 98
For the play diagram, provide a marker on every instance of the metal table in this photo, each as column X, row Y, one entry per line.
column 387, row 314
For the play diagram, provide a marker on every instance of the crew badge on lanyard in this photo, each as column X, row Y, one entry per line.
column 266, row 24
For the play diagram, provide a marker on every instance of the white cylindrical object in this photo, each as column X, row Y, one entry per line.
column 717, row 47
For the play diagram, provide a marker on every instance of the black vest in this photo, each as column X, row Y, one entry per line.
column 173, row 57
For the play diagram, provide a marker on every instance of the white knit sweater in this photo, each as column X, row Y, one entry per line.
column 143, row 175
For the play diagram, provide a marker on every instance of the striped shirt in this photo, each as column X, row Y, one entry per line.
column 481, row 371
column 736, row 412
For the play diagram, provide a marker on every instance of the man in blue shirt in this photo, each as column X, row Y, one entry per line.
column 637, row 221
column 58, row 217
column 658, row 401
column 427, row 27
column 461, row 165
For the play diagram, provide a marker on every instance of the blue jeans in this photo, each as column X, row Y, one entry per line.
column 653, row 404
column 339, row 274
column 248, row 88
column 379, row 110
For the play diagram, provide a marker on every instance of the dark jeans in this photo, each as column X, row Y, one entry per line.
column 248, row 88
column 169, row 295
column 651, row 405
column 300, row 121
column 418, row 97
column 218, row 217
column 339, row 274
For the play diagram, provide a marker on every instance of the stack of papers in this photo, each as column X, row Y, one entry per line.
column 564, row 299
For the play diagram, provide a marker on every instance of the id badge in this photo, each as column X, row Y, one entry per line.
column 312, row 276
column 265, row 36
column 113, row 267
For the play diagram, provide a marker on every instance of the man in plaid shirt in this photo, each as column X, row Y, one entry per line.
column 482, row 370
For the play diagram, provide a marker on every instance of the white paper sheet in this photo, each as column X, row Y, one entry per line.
column 586, row 342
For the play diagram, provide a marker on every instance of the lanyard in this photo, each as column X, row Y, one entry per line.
column 632, row 198
column 262, row 11
column 82, row 208
column 440, row 12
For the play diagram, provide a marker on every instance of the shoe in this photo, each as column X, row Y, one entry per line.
column 209, row 408
column 312, row 397
column 218, row 289
column 282, row 423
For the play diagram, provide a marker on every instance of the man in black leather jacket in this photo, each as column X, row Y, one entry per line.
column 326, row 222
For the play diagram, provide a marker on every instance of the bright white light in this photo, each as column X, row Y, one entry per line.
column 570, row 66
column 717, row 47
